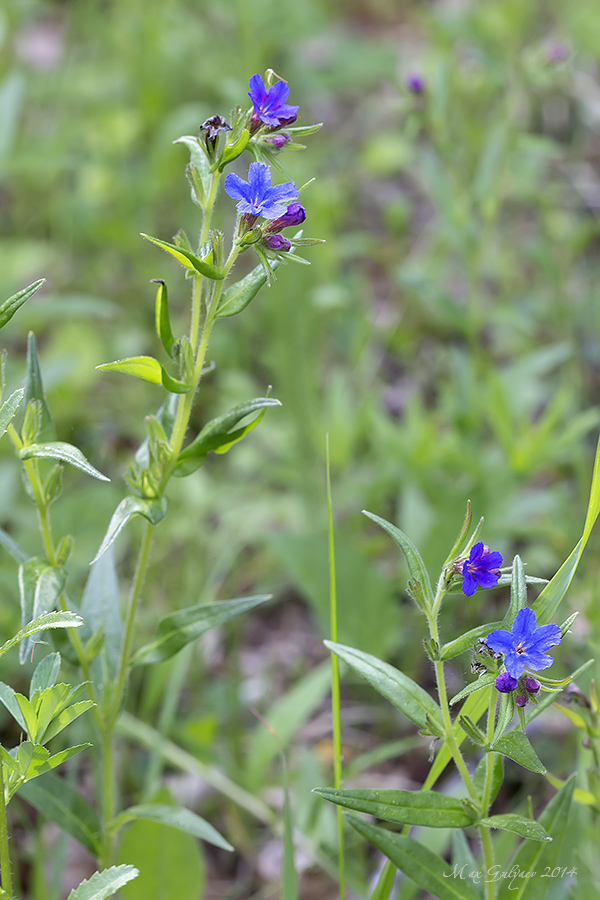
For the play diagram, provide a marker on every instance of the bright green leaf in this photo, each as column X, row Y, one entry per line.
column 162, row 320
column 405, row 807
column 154, row 510
column 104, row 884
column 10, row 306
column 189, row 260
column 66, row 453
column 520, row 825
column 175, row 817
column 144, row 367
column 467, row 641
column 237, row 297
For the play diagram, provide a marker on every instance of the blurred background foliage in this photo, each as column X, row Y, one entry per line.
column 447, row 335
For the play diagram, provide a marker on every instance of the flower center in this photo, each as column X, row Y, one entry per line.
column 520, row 649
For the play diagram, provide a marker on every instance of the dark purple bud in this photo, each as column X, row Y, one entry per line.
column 521, row 699
column 213, row 127
column 415, row 83
column 277, row 141
column 505, row 683
column 530, row 684
column 290, row 121
column 295, row 214
column 276, row 242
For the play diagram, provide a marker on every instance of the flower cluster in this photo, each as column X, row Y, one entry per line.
column 525, row 645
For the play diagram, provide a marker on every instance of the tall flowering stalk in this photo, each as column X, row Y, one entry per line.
column 106, row 650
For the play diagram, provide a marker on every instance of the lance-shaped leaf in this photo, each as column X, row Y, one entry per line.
column 162, row 320
column 218, row 436
column 179, row 628
column 34, row 760
column 467, row 641
column 66, row 453
column 520, row 825
column 416, row 566
column 517, row 747
column 49, row 620
column 239, row 295
column 187, row 259
column 104, row 884
column 101, row 610
column 154, row 510
column 485, row 680
column 59, row 802
column 518, row 593
column 10, row 306
column 176, row 817
column 9, row 409
column 45, row 674
column 198, row 159
column 405, row 807
column 548, row 601
column 40, row 586
column 405, row 694
column 146, row 368
column 34, row 390
column 420, row 864
column 462, row 538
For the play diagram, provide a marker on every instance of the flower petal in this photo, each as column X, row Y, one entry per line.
column 469, row 585
column 538, row 661
column 278, row 94
column 524, row 625
column 259, row 178
column 476, row 551
column 500, row 641
column 257, row 92
column 491, row 560
column 283, row 192
column 236, row 187
column 545, row 636
column 486, row 579
column 514, row 663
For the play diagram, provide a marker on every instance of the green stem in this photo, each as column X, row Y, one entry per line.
column 5, row 871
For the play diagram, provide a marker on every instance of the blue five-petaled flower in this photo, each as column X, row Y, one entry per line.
column 269, row 103
column 525, row 645
column 256, row 196
column 482, row 569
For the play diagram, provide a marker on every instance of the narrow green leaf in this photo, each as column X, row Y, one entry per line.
column 29, row 716
column 549, row 600
column 425, row 868
column 154, row 510
column 144, row 367
column 416, row 566
column 237, row 297
column 428, row 808
column 11, row 547
column 60, row 803
column 467, row 641
column 517, row 747
column 9, row 698
column 407, row 696
column 187, row 259
column 45, row 674
column 461, row 540
column 34, row 390
column 10, row 306
column 104, row 884
column 162, row 320
column 179, row 628
column 232, row 151
column 520, row 825
column 217, row 435
column 9, row 408
column 101, row 611
column 66, row 453
column 40, row 586
column 175, row 817
column 531, row 857
column 518, row 594
column 484, row 680
column 49, row 620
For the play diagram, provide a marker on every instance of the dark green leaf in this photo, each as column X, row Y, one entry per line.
column 237, row 297
column 189, row 260
column 176, row 817
column 154, row 510
column 162, row 320
column 179, row 628
column 10, row 306
column 484, row 680
column 526, row 828
column 217, row 435
column 416, row 566
column 60, row 803
column 425, row 868
column 391, row 683
column 405, row 807
column 66, row 453
column 467, row 641
column 517, row 747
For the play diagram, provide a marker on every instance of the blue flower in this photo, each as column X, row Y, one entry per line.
column 269, row 103
column 256, row 196
column 482, row 569
column 525, row 645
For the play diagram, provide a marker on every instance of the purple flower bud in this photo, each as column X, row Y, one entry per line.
column 505, row 683
column 276, row 242
column 521, row 700
column 530, row 684
column 295, row 214
column 415, row 83
column 277, row 141
column 557, row 53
